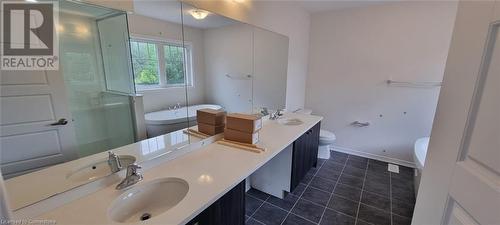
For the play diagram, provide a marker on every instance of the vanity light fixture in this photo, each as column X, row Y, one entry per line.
column 198, row 14
column 239, row 1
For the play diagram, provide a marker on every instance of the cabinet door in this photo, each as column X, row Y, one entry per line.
column 299, row 157
column 232, row 206
column 305, row 155
column 227, row 210
column 311, row 158
column 314, row 144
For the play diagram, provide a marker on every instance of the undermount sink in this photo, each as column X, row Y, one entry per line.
column 290, row 121
column 148, row 200
column 98, row 169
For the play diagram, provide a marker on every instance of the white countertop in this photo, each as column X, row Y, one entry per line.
column 36, row 186
column 210, row 171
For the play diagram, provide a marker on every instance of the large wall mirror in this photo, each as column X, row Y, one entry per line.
column 150, row 69
column 51, row 120
column 238, row 67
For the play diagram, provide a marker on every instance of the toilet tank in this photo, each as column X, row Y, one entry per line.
column 304, row 111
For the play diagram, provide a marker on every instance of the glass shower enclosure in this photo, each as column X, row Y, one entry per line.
column 95, row 64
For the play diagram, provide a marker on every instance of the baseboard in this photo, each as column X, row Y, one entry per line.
column 373, row 156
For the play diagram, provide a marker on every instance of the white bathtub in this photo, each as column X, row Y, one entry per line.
column 166, row 121
column 419, row 154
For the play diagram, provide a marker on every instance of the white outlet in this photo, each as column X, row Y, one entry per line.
column 393, row 168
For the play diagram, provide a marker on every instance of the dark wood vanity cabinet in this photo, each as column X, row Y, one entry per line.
column 227, row 210
column 230, row 208
column 305, row 154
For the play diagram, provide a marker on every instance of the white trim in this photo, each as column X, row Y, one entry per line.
column 373, row 156
column 156, row 39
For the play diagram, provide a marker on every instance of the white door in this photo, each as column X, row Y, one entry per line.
column 461, row 182
column 30, row 101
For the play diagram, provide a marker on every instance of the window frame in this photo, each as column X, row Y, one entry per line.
column 160, row 51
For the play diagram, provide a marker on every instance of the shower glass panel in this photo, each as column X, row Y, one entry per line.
column 113, row 34
column 95, row 66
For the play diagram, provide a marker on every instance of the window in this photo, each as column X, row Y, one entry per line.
column 159, row 64
column 174, row 64
column 145, row 63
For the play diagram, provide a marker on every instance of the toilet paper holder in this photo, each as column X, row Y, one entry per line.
column 360, row 124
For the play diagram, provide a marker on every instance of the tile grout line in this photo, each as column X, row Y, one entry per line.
column 308, row 183
column 293, row 212
column 362, row 188
column 390, row 195
column 371, row 192
column 314, row 203
column 337, row 182
column 334, row 187
column 250, row 217
column 317, row 189
column 256, row 220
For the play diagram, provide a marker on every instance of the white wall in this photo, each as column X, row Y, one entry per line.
column 270, row 56
column 240, row 50
column 280, row 17
column 354, row 51
column 228, row 50
column 158, row 99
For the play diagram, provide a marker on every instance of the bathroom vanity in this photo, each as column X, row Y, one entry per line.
column 205, row 177
column 230, row 208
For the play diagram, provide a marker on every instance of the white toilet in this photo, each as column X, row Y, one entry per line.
column 326, row 138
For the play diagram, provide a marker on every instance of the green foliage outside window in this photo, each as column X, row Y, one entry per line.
column 174, row 64
column 145, row 63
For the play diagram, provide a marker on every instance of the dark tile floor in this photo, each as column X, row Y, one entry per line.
column 345, row 189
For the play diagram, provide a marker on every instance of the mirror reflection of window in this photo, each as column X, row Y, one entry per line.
column 145, row 63
column 174, row 64
column 149, row 73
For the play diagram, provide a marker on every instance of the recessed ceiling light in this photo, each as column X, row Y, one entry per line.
column 198, row 14
column 33, row 1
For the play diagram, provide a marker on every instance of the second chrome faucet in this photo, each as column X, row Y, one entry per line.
column 133, row 176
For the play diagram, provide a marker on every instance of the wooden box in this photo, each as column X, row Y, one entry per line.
column 243, row 122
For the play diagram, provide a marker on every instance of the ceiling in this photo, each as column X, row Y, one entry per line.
column 314, row 6
column 170, row 11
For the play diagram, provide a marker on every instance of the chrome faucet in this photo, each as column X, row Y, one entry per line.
column 132, row 177
column 276, row 115
column 264, row 111
column 176, row 106
column 114, row 162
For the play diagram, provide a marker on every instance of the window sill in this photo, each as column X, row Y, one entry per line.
column 160, row 88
